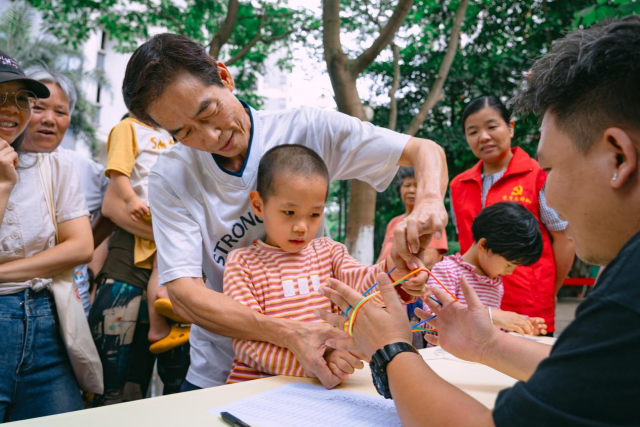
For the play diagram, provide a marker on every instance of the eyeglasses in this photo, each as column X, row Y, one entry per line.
column 23, row 99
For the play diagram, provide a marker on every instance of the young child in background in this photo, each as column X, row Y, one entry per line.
column 505, row 235
column 132, row 149
column 280, row 276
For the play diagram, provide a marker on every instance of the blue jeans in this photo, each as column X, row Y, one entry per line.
column 36, row 378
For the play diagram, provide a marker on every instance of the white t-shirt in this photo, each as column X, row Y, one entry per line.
column 94, row 184
column 202, row 212
column 27, row 228
column 92, row 179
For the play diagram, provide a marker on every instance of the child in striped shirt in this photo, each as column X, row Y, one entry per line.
column 280, row 276
column 505, row 235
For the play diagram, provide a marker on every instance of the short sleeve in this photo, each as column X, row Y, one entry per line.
column 176, row 233
column 121, row 149
column 550, row 217
column 69, row 199
column 447, row 275
column 353, row 149
column 589, row 379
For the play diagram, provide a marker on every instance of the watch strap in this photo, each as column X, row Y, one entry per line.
column 381, row 359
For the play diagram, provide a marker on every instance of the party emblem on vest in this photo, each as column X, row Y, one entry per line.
column 517, row 195
column 517, row 190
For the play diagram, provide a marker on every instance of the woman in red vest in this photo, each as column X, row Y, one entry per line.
column 506, row 173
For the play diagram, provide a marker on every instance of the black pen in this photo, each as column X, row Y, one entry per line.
column 233, row 421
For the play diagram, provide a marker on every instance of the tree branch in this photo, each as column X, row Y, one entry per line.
column 157, row 11
column 224, row 32
column 372, row 18
column 435, row 93
column 331, row 29
column 393, row 104
column 386, row 35
column 249, row 45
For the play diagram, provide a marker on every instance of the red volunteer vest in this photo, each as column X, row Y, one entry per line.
column 529, row 290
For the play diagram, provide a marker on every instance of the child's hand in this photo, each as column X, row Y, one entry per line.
column 342, row 363
column 539, row 325
column 512, row 322
column 137, row 208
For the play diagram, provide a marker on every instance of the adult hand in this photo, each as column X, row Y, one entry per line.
column 412, row 236
column 464, row 331
column 375, row 326
column 8, row 164
column 308, row 344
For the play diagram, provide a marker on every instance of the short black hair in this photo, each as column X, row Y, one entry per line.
column 590, row 80
column 156, row 64
column 511, row 232
column 403, row 172
column 291, row 159
column 482, row 103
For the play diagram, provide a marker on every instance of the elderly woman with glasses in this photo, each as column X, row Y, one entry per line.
column 36, row 377
column 49, row 122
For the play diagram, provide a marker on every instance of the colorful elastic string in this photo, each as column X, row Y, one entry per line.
column 403, row 279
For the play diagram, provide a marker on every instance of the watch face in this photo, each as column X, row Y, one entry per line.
column 380, row 380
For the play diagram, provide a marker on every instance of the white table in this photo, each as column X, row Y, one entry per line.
column 479, row 381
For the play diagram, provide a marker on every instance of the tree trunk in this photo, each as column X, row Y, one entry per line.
column 343, row 73
column 362, row 201
column 395, row 85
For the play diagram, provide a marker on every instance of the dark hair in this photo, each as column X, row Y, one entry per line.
column 590, row 80
column 482, row 103
column 17, row 143
column 155, row 64
column 290, row 159
column 511, row 232
column 403, row 172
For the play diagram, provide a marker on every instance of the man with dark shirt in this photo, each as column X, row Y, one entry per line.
column 587, row 91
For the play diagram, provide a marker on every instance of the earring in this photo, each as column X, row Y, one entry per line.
column 615, row 176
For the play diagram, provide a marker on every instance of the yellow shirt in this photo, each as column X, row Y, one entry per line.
column 132, row 149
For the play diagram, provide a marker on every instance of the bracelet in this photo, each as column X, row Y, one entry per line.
column 490, row 315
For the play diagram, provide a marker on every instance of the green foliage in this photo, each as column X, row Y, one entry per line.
column 501, row 41
column 132, row 22
column 605, row 9
column 18, row 40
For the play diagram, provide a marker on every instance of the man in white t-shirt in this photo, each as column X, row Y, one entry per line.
column 199, row 194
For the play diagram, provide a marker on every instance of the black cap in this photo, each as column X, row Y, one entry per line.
column 10, row 71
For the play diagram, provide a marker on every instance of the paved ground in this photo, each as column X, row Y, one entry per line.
column 565, row 312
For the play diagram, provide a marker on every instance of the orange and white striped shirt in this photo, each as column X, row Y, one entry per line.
column 280, row 284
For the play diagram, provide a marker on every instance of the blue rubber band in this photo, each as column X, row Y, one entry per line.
column 375, row 284
column 424, row 321
column 435, row 300
column 346, row 313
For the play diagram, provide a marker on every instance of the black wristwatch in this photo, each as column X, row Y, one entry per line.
column 379, row 362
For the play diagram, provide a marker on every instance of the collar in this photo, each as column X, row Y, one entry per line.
column 246, row 158
column 472, row 268
column 520, row 163
column 263, row 245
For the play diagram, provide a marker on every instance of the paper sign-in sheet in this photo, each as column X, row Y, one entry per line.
column 298, row 404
